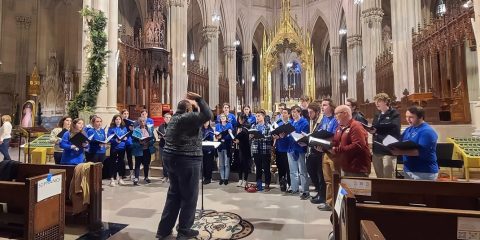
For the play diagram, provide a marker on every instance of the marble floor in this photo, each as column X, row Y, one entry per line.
column 273, row 215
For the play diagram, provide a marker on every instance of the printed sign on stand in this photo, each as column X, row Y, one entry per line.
column 48, row 187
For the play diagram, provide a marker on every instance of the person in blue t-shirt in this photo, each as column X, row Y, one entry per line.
column 128, row 147
column 282, row 144
column 144, row 113
column 117, row 149
column 223, row 156
column 73, row 155
column 419, row 164
column 249, row 115
column 97, row 149
column 230, row 116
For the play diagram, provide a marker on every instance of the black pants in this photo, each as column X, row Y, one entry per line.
column 128, row 150
column 164, row 167
column 57, row 156
column 262, row 164
column 282, row 164
column 315, row 171
column 184, row 172
column 145, row 161
column 117, row 157
column 244, row 169
column 208, row 165
column 95, row 157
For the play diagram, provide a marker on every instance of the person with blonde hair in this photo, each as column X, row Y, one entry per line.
column 5, row 136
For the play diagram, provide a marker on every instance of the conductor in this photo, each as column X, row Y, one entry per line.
column 182, row 155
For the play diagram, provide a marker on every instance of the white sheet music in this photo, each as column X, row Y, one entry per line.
column 389, row 140
column 211, row 144
column 297, row 136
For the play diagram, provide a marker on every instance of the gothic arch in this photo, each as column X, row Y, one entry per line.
column 313, row 20
column 264, row 22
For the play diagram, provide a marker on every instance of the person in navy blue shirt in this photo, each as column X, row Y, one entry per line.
column 419, row 164
column 142, row 149
column 128, row 147
column 296, row 156
column 282, row 144
column 117, row 149
column 249, row 115
column 144, row 113
column 97, row 149
column 223, row 156
column 208, row 153
column 72, row 155
column 230, row 116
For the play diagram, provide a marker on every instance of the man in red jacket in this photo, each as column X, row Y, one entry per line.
column 350, row 146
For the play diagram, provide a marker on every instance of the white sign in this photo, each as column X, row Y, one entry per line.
column 338, row 203
column 359, row 187
column 46, row 189
column 468, row 228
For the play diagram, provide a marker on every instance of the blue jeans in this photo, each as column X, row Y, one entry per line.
column 298, row 171
column 421, row 176
column 223, row 164
column 4, row 149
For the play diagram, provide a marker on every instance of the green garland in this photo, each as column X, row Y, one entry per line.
column 86, row 100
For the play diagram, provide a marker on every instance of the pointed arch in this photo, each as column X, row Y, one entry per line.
column 313, row 20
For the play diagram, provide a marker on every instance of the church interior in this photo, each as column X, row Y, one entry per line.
column 80, row 58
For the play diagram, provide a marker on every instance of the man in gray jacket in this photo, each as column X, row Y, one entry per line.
column 183, row 156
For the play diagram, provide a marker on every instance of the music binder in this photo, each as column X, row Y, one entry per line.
column 286, row 128
column 79, row 139
column 60, row 134
column 107, row 140
column 256, row 134
column 124, row 135
column 129, row 122
column 323, row 134
column 224, row 134
column 390, row 143
column 324, row 144
column 210, row 144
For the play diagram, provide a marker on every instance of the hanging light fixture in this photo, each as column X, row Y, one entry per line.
column 357, row 2
column 441, row 8
column 344, row 76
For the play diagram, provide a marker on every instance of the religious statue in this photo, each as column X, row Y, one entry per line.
column 28, row 114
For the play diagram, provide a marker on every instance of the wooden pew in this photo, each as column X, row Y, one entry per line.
column 400, row 192
column 94, row 209
column 21, row 211
column 370, row 231
column 402, row 222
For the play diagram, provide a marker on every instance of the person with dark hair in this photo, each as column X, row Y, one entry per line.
column 97, row 149
column 223, row 131
column 304, row 101
column 144, row 113
column 282, row 144
column 64, row 123
column 73, row 155
column 385, row 122
column 117, row 150
column 142, row 149
column 244, row 153
column 183, row 156
column 296, row 156
column 128, row 147
column 281, row 106
column 249, row 116
column 419, row 164
column 208, row 153
column 356, row 114
column 161, row 133
column 230, row 116
column 89, row 124
column 261, row 150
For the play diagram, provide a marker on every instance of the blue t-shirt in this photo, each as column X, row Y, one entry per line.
column 69, row 155
column 120, row 131
column 98, row 135
column 300, row 126
column 426, row 138
column 251, row 119
column 230, row 119
column 283, row 144
column 227, row 139
column 328, row 123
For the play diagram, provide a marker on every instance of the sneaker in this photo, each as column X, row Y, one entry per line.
column 245, row 183
column 147, row 180
column 220, row 182
column 135, row 181
column 163, row 237
column 121, row 182
column 112, row 183
column 187, row 234
column 317, row 200
column 324, row 207
column 304, row 196
column 240, row 183
column 291, row 192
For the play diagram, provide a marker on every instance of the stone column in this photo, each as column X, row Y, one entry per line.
column 107, row 97
column 85, row 41
column 372, row 15
column 406, row 14
column 22, row 50
column 231, row 73
column 247, row 77
column 1, row 33
column 354, row 56
column 476, row 103
column 178, row 44
column 210, row 33
column 335, row 74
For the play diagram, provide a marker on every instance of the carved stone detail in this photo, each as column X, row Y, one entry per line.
column 354, row 41
column 210, row 32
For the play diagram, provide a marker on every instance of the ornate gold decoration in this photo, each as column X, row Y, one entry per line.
column 287, row 34
column 34, row 83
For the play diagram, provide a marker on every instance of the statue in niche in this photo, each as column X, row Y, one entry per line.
column 157, row 35
column 51, row 90
column 149, row 37
column 387, row 37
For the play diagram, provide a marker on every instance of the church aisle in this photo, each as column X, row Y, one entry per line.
column 273, row 215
